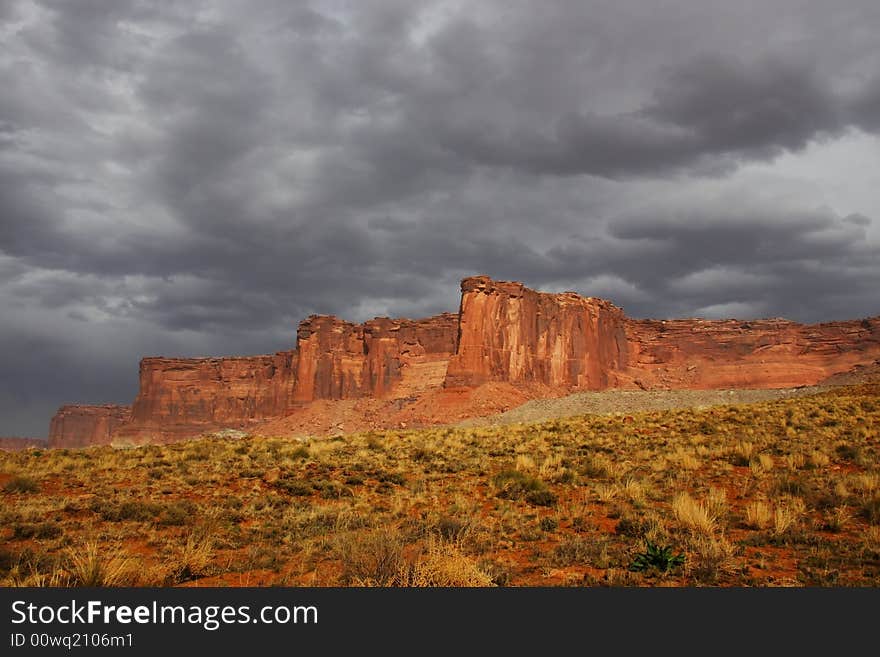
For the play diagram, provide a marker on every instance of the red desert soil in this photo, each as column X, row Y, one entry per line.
column 433, row 407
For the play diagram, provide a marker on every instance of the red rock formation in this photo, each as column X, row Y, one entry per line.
column 80, row 426
column 511, row 333
column 504, row 332
column 334, row 359
column 341, row 360
column 14, row 443
column 187, row 396
column 772, row 353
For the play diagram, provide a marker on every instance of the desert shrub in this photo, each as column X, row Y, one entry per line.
column 135, row 510
column 443, row 565
column 450, row 528
column 581, row 550
column 548, row 524
column 21, row 484
column 631, row 525
column 192, row 560
column 331, row 490
column 385, row 477
column 710, row 558
column 871, row 511
column 370, row 559
column 790, row 486
column 301, row 452
column 43, row 530
column 293, row 486
column 541, row 497
column 180, row 513
column 848, row 452
column 514, row 484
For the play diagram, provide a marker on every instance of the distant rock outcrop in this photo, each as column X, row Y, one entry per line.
column 334, row 359
column 80, row 426
column 14, row 443
column 771, row 353
column 503, row 333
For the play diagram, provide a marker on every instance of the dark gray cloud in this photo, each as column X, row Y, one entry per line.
column 188, row 178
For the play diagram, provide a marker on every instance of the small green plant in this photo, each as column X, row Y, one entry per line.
column 661, row 558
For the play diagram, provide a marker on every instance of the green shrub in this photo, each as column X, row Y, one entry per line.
column 655, row 556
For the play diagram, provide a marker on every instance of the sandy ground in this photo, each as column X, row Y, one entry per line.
column 634, row 401
column 630, row 401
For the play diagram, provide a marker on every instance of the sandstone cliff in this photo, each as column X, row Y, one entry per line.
column 80, row 426
column 186, row 396
column 772, row 353
column 511, row 333
column 334, row 359
column 540, row 343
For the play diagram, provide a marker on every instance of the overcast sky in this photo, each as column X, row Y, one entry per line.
column 193, row 178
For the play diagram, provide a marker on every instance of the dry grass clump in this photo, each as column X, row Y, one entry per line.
column 710, row 558
column 689, row 461
column 699, row 516
column 193, row 559
column 743, row 452
column 443, row 565
column 766, row 461
column 379, row 558
column 787, row 514
column 372, row 558
column 759, row 514
column 92, row 566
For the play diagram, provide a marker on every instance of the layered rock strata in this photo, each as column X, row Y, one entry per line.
column 333, row 359
column 79, row 426
column 508, row 332
column 503, row 332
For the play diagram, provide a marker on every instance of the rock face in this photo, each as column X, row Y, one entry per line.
column 80, row 426
column 14, row 443
column 340, row 360
column 511, row 333
column 775, row 353
column 186, row 396
column 334, row 359
column 503, row 333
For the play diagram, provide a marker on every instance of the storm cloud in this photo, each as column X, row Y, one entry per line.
column 193, row 178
